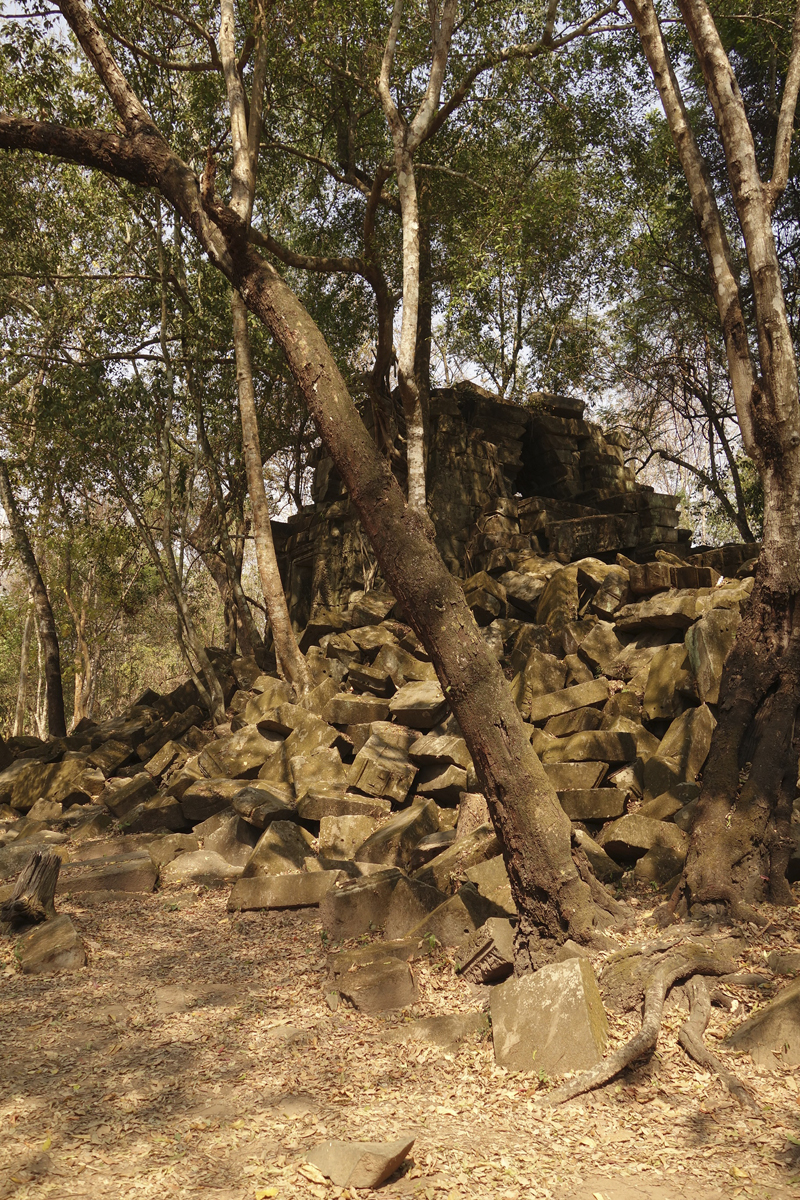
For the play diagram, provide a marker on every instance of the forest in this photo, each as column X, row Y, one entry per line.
column 399, row 580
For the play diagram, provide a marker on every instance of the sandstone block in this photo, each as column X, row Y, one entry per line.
column 419, row 705
column 393, row 843
column 305, row 890
column 355, row 906
column 54, row 946
column 772, row 1035
column 708, row 644
column 633, row 835
column 340, row 837
column 281, row 850
column 359, row 1164
column 593, row 804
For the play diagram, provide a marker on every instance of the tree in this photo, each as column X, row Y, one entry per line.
column 740, row 839
column 551, row 894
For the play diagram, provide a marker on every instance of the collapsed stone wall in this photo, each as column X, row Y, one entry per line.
column 504, row 482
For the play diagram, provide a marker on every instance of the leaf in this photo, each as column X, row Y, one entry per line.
column 311, row 1173
column 737, row 1173
column 266, row 1193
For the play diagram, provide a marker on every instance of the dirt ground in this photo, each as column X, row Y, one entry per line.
column 197, row 1056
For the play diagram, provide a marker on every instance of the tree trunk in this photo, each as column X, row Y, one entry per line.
column 32, row 898
column 22, row 686
column 56, row 723
column 290, row 661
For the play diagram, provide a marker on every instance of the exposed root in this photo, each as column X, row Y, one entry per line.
column 690, row 1036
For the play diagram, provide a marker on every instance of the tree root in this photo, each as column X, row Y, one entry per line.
column 690, row 1036
column 644, row 1042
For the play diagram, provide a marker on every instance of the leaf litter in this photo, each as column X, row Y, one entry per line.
column 197, row 1056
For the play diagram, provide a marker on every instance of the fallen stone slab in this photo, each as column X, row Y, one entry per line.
column 443, row 871
column 381, row 769
column 551, row 1021
column 199, row 867
column 419, row 705
column 411, row 901
column 432, row 845
column 282, row 849
column 444, row 783
column 455, row 919
column 351, row 709
column 491, row 880
column 205, row 797
column 666, row 610
column 54, row 946
column 340, row 837
column 582, row 695
column 394, row 842
column 271, row 693
column 264, row 803
column 355, row 906
column 301, row 890
column 234, row 839
column 402, row 666
column 126, row 872
column 670, row 683
column 328, row 802
column 633, row 835
column 772, row 1035
column 604, row 867
column 323, row 767
column 659, row 865
column 708, row 644
column 359, row 1164
column 575, row 776
column 487, row 956
column 593, row 804
column 240, row 755
column 382, row 985
column 111, row 756
column 159, row 812
column 578, row 721
column 597, row 746
column 162, row 850
column 441, row 749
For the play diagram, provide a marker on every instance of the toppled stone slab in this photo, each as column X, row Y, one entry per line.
column 466, row 852
column 381, row 769
column 772, row 1035
column 419, row 705
column 264, row 803
column 340, row 837
column 599, row 745
column 582, row 695
column 131, row 872
column 604, row 867
column 444, row 783
column 669, row 683
column 282, row 849
column 234, row 839
column 575, row 776
column 54, row 946
column 394, row 842
column 356, row 906
column 454, row 920
column 633, row 835
column 200, row 867
column 708, row 644
column 320, row 803
column 205, row 797
column 239, row 755
column 159, row 812
column 382, row 985
column 491, row 880
column 593, row 804
column 300, row 890
column 323, row 767
column 659, row 865
column 487, row 956
column 551, row 1021
column 359, row 1164
column 411, row 901
column 351, row 709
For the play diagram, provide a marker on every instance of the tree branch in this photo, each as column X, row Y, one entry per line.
column 783, row 140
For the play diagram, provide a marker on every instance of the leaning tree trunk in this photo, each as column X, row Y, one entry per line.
column 56, row 722
column 536, row 833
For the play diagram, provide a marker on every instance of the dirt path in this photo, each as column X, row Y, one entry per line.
column 196, row 1056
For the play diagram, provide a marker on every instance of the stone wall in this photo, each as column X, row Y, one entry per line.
column 504, row 482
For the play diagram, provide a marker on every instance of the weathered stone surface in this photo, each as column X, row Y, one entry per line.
column 578, row 721
column 359, row 1164
column 380, row 986
column 708, row 643
column 371, row 608
column 403, row 667
column 26, row 781
column 419, row 705
column 318, row 804
column 54, row 946
column 282, row 849
column 45, row 810
column 370, row 679
column 668, row 683
column 380, row 769
column 322, row 768
column 411, row 901
column 177, row 725
column 340, row 837
column 159, row 812
column 473, row 811
column 443, row 783
column 394, row 842
column 441, row 749
column 456, row 918
column 306, row 737
column 682, row 753
column 583, row 695
column 162, row 850
column 542, row 675
column 604, row 867
column 351, row 709
column 264, row 803
column 612, row 594
column 659, row 865
column 274, row 693
column 575, row 776
column 199, row 867
column 598, row 746
column 208, row 796
column 593, row 804
column 491, row 880
column 601, row 646
column 355, row 906
column 772, row 1035
column 487, row 956
column 632, row 836
column 523, row 590
column 552, row 1021
column 234, row 839
column 666, row 610
column 434, row 843
column 111, row 756
column 466, row 852
column 134, row 791
column 131, row 872
column 239, row 755
column 305, row 890
column 559, row 601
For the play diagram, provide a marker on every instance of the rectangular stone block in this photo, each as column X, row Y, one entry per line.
column 302, row 890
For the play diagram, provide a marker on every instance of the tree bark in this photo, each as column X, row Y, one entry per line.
column 32, row 900
column 550, row 895
column 739, row 846
column 22, row 685
column 56, row 722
